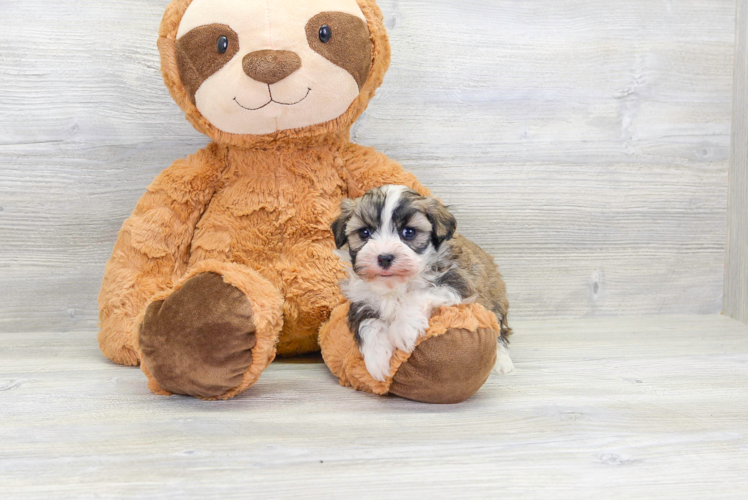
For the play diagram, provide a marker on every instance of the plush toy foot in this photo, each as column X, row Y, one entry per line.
column 449, row 368
column 199, row 340
column 206, row 338
column 451, row 361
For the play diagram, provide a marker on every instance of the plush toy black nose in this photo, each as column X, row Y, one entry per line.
column 270, row 66
column 385, row 261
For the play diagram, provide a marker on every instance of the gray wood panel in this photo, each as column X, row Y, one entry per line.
column 597, row 408
column 736, row 267
column 585, row 144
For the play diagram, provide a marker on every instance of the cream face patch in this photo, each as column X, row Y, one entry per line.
column 256, row 67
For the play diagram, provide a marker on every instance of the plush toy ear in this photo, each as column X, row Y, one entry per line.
column 338, row 227
column 443, row 223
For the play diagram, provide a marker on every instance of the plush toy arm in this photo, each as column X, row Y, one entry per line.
column 451, row 361
column 153, row 247
column 366, row 168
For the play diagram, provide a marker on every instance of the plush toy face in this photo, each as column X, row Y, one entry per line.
column 257, row 67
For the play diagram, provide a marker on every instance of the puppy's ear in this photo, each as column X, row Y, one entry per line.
column 338, row 226
column 443, row 223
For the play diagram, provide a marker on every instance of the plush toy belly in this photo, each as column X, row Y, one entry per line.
column 273, row 215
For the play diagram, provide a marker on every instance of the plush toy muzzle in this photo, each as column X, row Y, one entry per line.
column 243, row 63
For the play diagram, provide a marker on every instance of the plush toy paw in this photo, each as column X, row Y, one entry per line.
column 448, row 368
column 450, row 362
column 199, row 340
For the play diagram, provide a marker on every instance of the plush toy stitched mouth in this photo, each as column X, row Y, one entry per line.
column 308, row 91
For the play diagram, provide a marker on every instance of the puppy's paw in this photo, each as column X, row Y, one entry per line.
column 504, row 365
column 378, row 365
column 376, row 348
column 404, row 336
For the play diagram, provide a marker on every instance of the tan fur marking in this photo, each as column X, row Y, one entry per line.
column 485, row 277
column 419, row 222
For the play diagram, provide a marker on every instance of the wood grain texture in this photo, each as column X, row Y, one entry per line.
column 736, row 262
column 584, row 144
column 598, row 408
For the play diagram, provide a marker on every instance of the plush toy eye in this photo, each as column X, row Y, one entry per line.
column 325, row 33
column 408, row 233
column 222, row 44
column 364, row 233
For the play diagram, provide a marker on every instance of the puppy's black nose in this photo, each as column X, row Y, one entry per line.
column 385, row 261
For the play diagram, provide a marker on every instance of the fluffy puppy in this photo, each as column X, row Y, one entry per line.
column 404, row 261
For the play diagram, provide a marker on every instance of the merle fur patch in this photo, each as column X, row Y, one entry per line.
column 357, row 314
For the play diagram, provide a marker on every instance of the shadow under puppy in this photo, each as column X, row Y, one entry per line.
column 405, row 261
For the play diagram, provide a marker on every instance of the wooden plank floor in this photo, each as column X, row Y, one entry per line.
column 599, row 408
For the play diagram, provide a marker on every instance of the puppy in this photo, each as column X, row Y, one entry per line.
column 404, row 261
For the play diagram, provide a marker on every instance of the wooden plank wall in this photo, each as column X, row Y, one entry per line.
column 736, row 266
column 585, row 144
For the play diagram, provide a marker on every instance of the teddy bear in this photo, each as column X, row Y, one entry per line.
column 227, row 259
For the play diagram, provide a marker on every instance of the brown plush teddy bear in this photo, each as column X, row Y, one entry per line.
column 228, row 257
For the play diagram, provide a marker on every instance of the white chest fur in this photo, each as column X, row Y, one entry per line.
column 403, row 315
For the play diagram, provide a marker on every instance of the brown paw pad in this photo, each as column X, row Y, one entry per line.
column 199, row 340
column 448, row 368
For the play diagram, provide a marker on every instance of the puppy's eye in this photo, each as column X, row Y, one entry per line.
column 325, row 33
column 408, row 233
column 222, row 44
column 364, row 233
